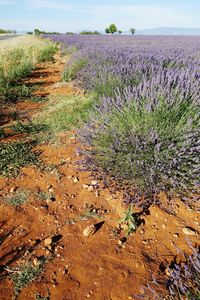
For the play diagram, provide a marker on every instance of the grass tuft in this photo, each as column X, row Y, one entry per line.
column 72, row 69
column 15, row 155
column 26, row 275
column 68, row 112
column 18, row 198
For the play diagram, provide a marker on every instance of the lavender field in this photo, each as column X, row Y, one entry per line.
column 144, row 128
column 99, row 167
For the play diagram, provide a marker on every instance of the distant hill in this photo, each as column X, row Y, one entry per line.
column 169, row 31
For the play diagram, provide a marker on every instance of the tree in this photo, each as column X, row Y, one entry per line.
column 119, row 31
column 37, row 31
column 132, row 31
column 107, row 30
column 112, row 28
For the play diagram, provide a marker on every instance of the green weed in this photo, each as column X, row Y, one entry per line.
column 69, row 112
column 18, row 198
column 25, row 275
column 47, row 53
column 37, row 99
column 15, row 155
column 28, row 127
column 2, row 133
column 131, row 220
column 72, row 69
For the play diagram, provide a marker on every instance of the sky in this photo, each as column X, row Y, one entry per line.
column 76, row 15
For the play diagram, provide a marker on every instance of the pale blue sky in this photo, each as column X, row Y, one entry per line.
column 66, row 15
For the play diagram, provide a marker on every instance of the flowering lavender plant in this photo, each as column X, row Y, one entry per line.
column 183, row 282
column 144, row 128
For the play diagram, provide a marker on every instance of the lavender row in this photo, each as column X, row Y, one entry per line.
column 146, row 124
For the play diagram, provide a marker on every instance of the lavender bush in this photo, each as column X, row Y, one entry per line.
column 145, row 128
column 183, row 282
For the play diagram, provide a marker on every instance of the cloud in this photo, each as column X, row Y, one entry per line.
column 79, row 15
column 48, row 4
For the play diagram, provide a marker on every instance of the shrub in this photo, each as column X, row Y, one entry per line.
column 47, row 53
column 152, row 146
column 72, row 69
column 183, row 282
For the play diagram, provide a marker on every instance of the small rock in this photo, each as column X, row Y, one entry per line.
column 13, row 189
column 176, row 235
column 51, row 190
column 94, row 182
column 96, row 193
column 33, row 243
column 119, row 242
column 163, row 226
column 89, row 230
column 91, row 188
column 85, row 186
column 36, row 262
column 145, row 243
column 189, row 231
column 76, row 180
column 48, row 241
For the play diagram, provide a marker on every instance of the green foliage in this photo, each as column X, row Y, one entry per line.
column 19, row 63
column 90, row 32
column 70, row 112
column 106, row 85
column 39, row 297
column 130, row 219
column 28, row 127
column 15, row 155
column 18, row 198
column 132, row 31
column 37, row 99
column 37, row 31
column 47, row 53
column 107, row 30
column 72, row 69
column 119, row 31
column 4, row 31
column 2, row 133
column 25, row 275
column 14, row 65
column 112, row 28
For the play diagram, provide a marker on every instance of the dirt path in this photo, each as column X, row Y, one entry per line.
column 63, row 201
